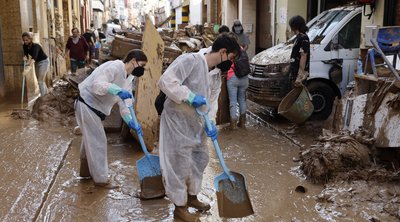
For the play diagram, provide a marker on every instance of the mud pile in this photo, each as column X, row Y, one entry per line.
column 57, row 106
column 343, row 157
column 377, row 201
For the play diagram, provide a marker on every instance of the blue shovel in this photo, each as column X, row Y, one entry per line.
column 148, row 168
column 232, row 196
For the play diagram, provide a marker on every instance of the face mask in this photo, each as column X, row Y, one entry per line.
column 224, row 66
column 138, row 71
column 238, row 29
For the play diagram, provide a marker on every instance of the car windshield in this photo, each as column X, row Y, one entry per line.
column 319, row 27
column 324, row 24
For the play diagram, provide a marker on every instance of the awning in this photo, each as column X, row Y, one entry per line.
column 97, row 5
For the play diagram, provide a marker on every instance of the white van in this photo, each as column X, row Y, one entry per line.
column 334, row 49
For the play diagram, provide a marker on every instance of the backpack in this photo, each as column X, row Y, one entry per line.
column 242, row 65
column 371, row 4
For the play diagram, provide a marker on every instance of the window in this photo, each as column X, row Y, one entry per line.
column 324, row 24
column 349, row 35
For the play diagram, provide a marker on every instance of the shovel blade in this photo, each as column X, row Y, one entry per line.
column 149, row 173
column 148, row 166
column 222, row 176
column 152, row 187
column 232, row 197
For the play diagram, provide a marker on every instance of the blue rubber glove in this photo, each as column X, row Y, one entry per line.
column 198, row 101
column 137, row 128
column 124, row 94
column 213, row 133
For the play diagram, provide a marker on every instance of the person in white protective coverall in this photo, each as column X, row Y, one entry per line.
column 108, row 84
column 183, row 146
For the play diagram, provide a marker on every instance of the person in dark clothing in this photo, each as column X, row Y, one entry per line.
column 300, row 56
column 101, row 34
column 78, row 50
column 39, row 57
column 90, row 39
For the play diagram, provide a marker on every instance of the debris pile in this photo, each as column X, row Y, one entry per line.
column 187, row 39
column 57, row 106
column 338, row 156
column 21, row 114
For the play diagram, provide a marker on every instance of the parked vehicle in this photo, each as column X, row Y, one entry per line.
column 334, row 50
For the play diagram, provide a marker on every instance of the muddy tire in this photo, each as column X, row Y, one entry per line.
column 323, row 97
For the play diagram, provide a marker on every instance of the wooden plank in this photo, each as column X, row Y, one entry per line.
column 147, row 88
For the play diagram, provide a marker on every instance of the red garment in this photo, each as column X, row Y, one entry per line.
column 79, row 50
column 231, row 72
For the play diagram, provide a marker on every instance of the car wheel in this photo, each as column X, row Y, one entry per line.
column 323, row 97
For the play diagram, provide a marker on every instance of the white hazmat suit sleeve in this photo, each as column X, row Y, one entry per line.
column 171, row 81
column 215, row 85
column 124, row 111
column 103, row 82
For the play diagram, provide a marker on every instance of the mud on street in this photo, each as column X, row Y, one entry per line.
column 40, row 168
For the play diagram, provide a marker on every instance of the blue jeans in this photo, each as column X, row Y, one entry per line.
column 237, row 94
column 41, row 69
column 75, row 64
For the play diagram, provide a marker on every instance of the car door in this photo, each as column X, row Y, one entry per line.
column 349, row 47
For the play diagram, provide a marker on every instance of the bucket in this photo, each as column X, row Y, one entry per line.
column 296, row 106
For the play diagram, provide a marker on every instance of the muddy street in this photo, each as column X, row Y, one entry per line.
column 40, row 165
column 40, row 168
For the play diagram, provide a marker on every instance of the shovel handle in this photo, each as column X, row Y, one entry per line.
column 142, row 144
column 215, row 142
column 23, row 86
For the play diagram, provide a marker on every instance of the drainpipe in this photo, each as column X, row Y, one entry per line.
column 274, row 21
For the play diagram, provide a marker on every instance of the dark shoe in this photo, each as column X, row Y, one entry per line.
column 182, row 214
column 233, row 124
column 242, row 121
column 196, row 203
column 84, row 169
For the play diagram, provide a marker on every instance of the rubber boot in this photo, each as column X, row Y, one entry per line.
column 84, row 169
column 242, row 121
column 182, row 214
column 196, row 203
column 233, row 124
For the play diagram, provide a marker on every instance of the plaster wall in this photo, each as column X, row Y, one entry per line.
column 196, row 12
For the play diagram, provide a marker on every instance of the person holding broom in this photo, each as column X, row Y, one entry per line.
column 39, row 58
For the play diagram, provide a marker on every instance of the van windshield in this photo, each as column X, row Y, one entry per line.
column 324, row 23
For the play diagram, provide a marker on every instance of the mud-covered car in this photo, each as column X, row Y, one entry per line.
column 334, row 49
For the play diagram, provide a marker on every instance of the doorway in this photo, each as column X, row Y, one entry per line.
column 263, row 25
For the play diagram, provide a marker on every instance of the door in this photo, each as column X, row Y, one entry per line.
column 263, row 28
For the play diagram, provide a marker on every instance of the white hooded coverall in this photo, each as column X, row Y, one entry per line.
column 215, row 86
column 94, row 91
column 183, row 142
